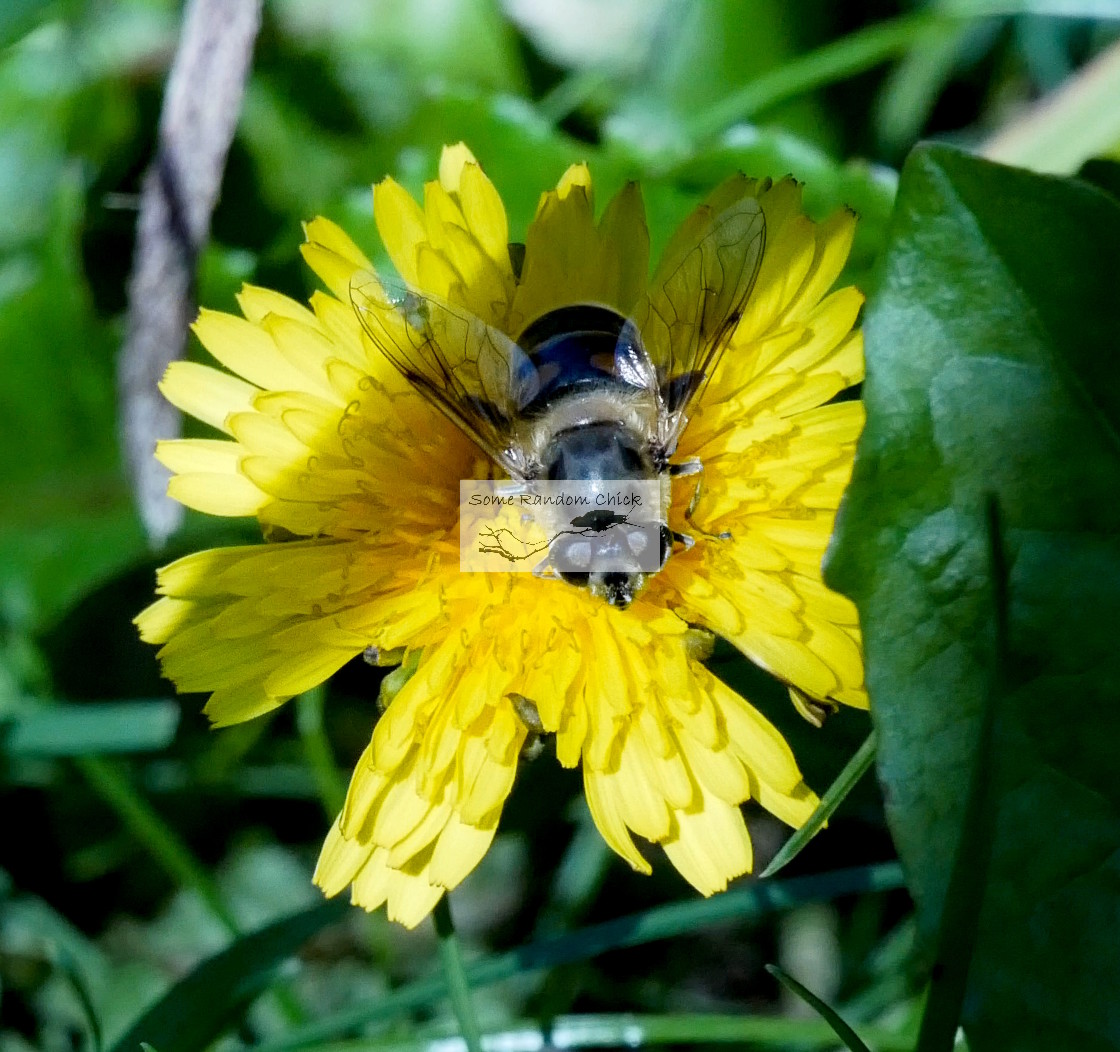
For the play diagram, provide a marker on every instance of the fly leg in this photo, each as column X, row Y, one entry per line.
column 545, row 570
column 693, row 466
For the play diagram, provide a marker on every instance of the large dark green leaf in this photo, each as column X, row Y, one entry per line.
column 993, row 368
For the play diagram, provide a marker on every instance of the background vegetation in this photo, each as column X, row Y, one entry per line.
column 138, row 844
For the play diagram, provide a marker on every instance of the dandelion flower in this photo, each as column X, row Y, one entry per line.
column 321, row 436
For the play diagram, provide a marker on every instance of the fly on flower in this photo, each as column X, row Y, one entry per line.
column 584, row 393
column 350, row 440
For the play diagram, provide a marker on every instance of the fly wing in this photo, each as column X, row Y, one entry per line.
column 472, row 373
column 688, row 316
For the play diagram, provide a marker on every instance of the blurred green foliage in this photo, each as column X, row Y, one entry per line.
column 137, row 868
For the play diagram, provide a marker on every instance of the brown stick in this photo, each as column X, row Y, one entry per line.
column 200, row 108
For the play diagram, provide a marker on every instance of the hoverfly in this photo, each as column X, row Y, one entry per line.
column 583, row 392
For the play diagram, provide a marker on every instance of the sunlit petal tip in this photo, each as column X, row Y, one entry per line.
column 339, row 862
column 577, row 175
column 207, row 394
column 331, row 236
column 256, row 302
column 452, row 160
column 412, row 899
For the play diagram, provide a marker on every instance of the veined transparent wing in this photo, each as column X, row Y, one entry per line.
column 688, row 316
column 472, row 373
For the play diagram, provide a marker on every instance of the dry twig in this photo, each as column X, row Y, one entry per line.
column 200, row 108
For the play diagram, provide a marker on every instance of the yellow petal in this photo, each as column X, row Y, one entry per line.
column 711, row 845
column 257, row 303
column 604, row 805
column 460, row 848
column 207, row 394
column 485, row 214
column 452, row 160
column 217, row 494
column 236, row 704
column 576, row 175
column 158, row 622
column 834, row 242
column 401, row 224
column 339, row 862
column 412, row 898
column 207, row 455
column 625, row 238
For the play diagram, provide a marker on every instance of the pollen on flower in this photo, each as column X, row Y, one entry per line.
column 325, row 441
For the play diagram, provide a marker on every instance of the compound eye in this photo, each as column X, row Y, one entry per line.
column 578, row 555
column 571, row 556
column 637, row 541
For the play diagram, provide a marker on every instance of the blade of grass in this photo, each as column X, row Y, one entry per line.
column 829, row 1014
column 570, row 94
column 845, row 57
column 634, row 1031
column 457, row 987
column 848, row 56
column 113, row 786
column 834, row 796
column 1099, row 9
column 578, row 877
column 757, row 899
column 56, row 729
column 1078, row 121
column 317, row 749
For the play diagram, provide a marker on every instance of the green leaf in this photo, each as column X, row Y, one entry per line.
column 73, row 974
column 829, row 1014
column 91, row 729
column 1103, row 173
column 199, row 1007
column 68, row 517
column 993, row 369
column 834, row 796
column 19, row 16
column 34, row 930
column 1078, row 121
